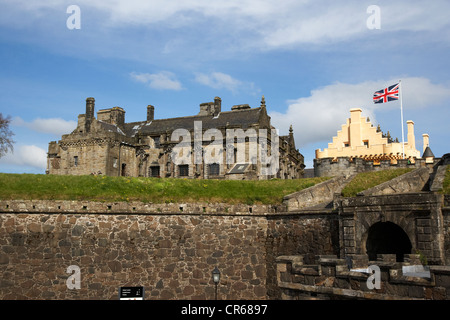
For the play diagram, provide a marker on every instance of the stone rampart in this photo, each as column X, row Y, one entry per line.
column 318, row 194
column 169, row 249
column 329, row 167
column 438, row 178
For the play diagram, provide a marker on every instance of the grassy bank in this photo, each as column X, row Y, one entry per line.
column 365, row 180
column 157, row 190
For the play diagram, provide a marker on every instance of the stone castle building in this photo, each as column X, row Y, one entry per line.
column 359, row 138
column 359, row 146
column 108, row 145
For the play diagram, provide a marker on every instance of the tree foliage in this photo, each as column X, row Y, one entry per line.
column 6, row 142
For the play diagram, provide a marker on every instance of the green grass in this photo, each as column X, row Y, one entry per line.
column 156, row 190
column 365, row 180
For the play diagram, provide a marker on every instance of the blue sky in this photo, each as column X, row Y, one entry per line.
column 312, row 60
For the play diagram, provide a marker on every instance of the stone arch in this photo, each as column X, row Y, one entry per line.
column 406, row 221
column 387, row 238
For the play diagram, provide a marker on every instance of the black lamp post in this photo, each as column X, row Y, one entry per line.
column 216, row 278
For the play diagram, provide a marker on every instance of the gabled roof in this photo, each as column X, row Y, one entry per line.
column 241, row 118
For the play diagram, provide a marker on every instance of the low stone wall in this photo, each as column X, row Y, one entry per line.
column 331, row 278
column 439, row 176
column 82, row 207
column 414, row 181
column 318, row 194
column 305, row 233
column 169, row 249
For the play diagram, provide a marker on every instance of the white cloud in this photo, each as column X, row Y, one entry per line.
column 56, row 126
column 258, row 23
column 219, row 80
column 26, row 155
column 163, row 80
column 327, row 108
column 421, row 93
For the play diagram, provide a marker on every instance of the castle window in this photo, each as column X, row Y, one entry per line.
column 75, row 161
column 346, row 144
column 115, row 162
column 214, row 169
column 157, row 142
column 183, row 170
column 366, row 143
column 154, row 171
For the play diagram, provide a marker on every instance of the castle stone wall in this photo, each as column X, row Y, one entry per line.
column 345, row 166
column 169, row 249
column 305, row 234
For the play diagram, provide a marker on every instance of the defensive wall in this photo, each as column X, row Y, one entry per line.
column 397, row 226
column 287, row 251
column 346, row 166
column 169, row 249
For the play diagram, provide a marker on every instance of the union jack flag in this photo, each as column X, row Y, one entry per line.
column 387, row 94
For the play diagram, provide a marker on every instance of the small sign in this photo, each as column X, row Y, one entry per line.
column 131, row 293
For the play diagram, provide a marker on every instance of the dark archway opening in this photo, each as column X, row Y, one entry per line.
column 387, row 238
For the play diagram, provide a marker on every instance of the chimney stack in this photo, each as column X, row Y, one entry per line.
column 217, row 106
column 90, row 107
column 426, row 141
column 411, row 137
column 150, row 113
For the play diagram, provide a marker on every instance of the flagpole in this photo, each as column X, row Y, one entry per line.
column 401, row 110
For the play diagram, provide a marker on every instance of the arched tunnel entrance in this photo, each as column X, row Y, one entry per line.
column 387, row 238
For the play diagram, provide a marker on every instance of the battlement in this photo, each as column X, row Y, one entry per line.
column 346, row 166
column 333, row 278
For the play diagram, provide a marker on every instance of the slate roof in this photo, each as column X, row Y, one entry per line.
column 427, row 153
column 110, row 127
column 241, row 118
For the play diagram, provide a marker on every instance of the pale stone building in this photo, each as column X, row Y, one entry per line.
column 108, row 145
column 358, row 138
